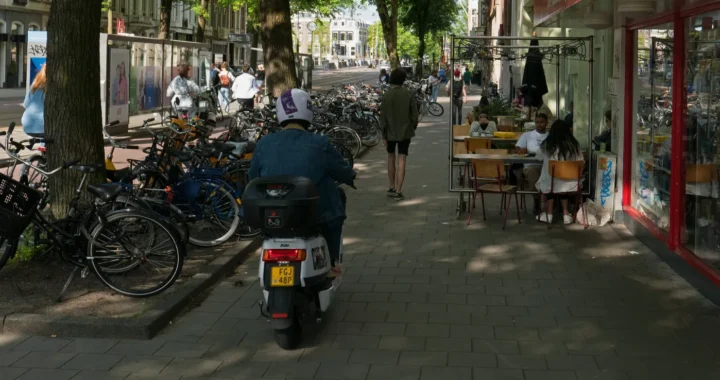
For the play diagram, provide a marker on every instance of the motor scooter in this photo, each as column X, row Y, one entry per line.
column 295, row 261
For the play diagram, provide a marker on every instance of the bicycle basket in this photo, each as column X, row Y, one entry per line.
column 17, row 205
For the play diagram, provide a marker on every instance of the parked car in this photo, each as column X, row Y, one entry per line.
column 384, row 65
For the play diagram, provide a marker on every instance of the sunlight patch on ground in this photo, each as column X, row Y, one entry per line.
column 412, row 202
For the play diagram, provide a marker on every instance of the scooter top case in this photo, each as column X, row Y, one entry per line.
column 282, row 206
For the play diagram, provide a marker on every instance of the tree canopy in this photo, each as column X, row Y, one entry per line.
column 425, row 18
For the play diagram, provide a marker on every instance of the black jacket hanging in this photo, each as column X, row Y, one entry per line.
column 534, row 84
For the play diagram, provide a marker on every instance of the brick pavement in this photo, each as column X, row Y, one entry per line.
column 427, row 297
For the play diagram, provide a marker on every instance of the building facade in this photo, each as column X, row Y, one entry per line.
column 17, row 17
column 646, row 72
column 142, row 18
column 341, row 37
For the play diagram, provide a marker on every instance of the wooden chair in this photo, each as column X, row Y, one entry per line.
column 474, row 143
column 460, row 148
column 566, row 171
column 492, row 170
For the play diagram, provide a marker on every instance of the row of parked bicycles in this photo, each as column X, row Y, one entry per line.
column 133, row 231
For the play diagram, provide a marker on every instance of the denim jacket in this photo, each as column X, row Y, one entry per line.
column 297, row 152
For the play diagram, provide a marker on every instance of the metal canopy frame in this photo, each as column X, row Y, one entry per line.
column 467, row 48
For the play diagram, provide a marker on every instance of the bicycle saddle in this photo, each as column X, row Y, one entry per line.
column 222, row 147
column 106, row 192
column 91, row 168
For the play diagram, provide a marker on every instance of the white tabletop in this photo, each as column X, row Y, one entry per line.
column 463, row 138
column 511, row 158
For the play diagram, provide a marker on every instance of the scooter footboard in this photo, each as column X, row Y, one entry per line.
column 281, row 304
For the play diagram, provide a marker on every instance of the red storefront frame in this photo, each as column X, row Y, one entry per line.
column 672, row 238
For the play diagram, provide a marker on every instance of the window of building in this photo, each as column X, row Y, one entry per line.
column 335, row 36
column 352, row 51
column 342, row 36
column 651, row 187
column 350, row 36
column 342, row 50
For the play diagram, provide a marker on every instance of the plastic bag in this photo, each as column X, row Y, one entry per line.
column 596, row 215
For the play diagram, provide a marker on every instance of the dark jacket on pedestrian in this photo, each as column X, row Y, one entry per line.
column 399, row 114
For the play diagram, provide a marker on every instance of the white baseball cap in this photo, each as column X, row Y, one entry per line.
column 294, row 104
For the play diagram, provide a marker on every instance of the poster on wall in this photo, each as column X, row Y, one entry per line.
column 205, row 61
column 149, row 88
column 36, row 54
column 119, row 85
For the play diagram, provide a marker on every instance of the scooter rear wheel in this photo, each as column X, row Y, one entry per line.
column 289, row 338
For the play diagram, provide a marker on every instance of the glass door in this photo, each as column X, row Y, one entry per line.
column 653, row 126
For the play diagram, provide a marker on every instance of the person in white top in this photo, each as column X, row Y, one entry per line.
column 434, row 83
column 244, row 88
column 183, row 91
column 560, row 145
column 529, row 143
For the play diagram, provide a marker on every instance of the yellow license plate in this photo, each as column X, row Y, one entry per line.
column 282, row 276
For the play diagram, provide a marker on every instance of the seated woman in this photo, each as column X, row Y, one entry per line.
column 483, row 127
column 560, row 145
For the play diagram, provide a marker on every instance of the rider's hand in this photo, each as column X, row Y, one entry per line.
column 385, row 142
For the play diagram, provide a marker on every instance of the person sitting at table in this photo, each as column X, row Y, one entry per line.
column 529, row 143
column 560, row 145
column 483, row 126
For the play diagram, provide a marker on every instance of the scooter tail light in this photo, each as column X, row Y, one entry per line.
column 279, row 315
column 284, row 255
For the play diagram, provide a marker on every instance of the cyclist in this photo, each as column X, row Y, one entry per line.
column 296, row 152
column 183, row 90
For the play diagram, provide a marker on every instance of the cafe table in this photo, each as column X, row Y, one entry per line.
column 493, row 139
column 508, row 158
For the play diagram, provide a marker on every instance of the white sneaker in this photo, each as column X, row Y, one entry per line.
column 567, row 219
column 543, row 217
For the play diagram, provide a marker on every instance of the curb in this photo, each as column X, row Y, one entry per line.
column 144, row 327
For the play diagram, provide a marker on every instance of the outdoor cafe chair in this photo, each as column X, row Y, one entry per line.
column 492, row 170
column 566, row 171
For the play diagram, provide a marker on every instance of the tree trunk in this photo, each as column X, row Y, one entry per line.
column 421, row 53
column 72, row 100
column 388, row 11
column 202, row 21
column 255, row 40
column 165, row 12
column 276, row 35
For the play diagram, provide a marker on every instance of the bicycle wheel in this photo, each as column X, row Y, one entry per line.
column 170, row 213
column 217, row 216
column 435, row 109
column 373, row 135
column 347, row 137
column 135, row 253
column 344, row 152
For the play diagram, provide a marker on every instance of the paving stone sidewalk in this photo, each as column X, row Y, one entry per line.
column 428, row 297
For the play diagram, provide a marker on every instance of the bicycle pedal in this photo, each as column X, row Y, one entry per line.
column 84, row 273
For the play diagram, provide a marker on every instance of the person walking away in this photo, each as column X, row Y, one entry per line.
column 182, row 90
column 33, row 119
column 398, row 121
column 384, row 77
column 260, row 78
column 459, row 96
column 483, row 127
column 441, row 74
column 529, row 143
column 244, row 88
column 467, row 76
column 295, row 151
column 214, row 71
column 226, row 79
column 560, row 145
column 434, row 83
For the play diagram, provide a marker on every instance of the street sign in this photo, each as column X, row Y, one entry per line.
column 312, row 26
column 243, row 39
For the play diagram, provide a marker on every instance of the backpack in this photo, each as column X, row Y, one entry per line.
column 225, row 80
column 457, row 89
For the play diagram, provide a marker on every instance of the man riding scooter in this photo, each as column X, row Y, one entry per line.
column 296, row 152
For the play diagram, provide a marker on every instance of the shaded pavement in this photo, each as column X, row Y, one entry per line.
column 427, row 297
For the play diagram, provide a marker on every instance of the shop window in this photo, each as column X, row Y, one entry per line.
column 702, row 136
column 653, row 123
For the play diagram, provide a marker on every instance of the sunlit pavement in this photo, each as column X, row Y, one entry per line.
column 427, row 297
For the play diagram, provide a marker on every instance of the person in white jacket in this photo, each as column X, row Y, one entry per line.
column 244, row 88
column 183, row 91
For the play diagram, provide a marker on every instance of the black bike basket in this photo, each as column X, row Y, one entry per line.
column 17, row 205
